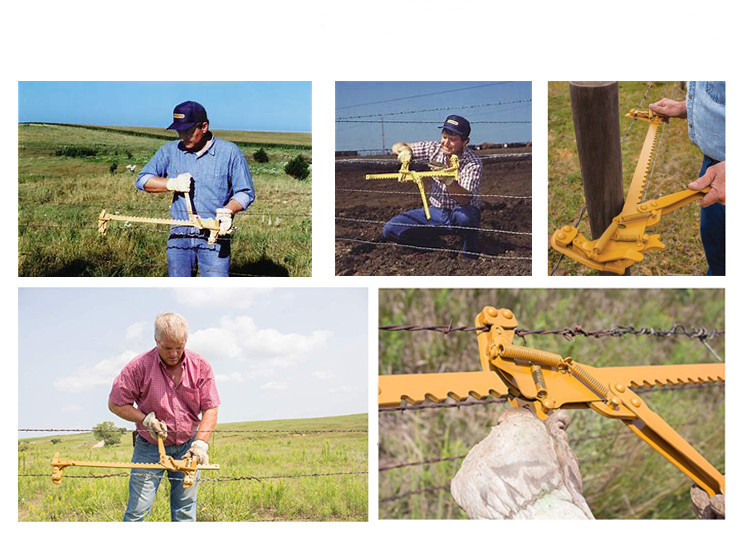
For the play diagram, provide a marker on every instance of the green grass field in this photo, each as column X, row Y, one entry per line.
column 286, row 449
column 623, row 478
column 677, row 163
column 60, row 198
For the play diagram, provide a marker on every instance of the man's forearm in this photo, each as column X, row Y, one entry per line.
column 127, row 412
column 156, row 185
column 461, row 195
column 208, row 424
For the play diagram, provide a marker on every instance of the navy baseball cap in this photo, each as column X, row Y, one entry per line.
column 186, row 114
column 457, row 125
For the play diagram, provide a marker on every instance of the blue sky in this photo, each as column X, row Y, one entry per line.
column 416, row 109
column 275, row 106
column 276, row 353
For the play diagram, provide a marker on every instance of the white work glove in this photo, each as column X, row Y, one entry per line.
column 199, row 450
column 445, row 181
column 181, row 183
column 155, row 426
column 224, row 215
column 404, row 155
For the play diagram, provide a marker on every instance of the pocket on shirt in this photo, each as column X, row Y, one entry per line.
column 716, row 91
column 191, row 398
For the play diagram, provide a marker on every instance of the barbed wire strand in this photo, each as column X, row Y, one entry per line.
column 259, row 431
column 425, row 248
column 358, row 190
column 467, row 107
column 360, row 220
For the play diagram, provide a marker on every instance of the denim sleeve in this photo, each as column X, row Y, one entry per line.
column 156, row 167
column 243, row 190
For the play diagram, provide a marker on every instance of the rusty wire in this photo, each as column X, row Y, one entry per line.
column 570, row 333
column 125, row 431
column 415, row 492
column 158, row 476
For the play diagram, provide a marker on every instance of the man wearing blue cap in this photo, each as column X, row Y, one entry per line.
column 454, row 205
column 214, row 173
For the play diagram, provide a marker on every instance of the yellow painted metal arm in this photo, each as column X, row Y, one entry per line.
column 189, row 467
column 405, row 174
column 625, row 241
column 545, row 381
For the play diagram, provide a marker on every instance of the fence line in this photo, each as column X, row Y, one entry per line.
column 501, row 156
column 358, row 190
column 425, row 248
column 160, row 476
column 125, row 431
column 360, row 220
column 467, row 107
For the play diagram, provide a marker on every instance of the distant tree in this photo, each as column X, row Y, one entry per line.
column 113, row 167
column 108, row 432
column 260, row 155
column 297, row 168
column 56, row 440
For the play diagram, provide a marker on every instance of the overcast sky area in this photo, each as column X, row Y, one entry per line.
column 273, row 106
column 276, row 353
column 499, row 112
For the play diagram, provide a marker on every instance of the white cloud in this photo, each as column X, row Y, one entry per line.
column 262, row 351
column 234, row 377
column 324, row 374
column 276, row 386
column 136, row 331
column 72, row 407
column 341, row 389
column 103, row 373
column 223, row 298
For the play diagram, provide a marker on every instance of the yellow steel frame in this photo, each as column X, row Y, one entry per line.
column 544, row 382
column 190, row 467
column 405, row 174
column 625, row 241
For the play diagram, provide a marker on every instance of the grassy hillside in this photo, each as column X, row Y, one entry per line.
column 279, row 453
column 68, row 174
column 623, row 478
column 677, row 163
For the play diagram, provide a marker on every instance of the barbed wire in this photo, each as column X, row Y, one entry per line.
column 425, row 248
column 467, row 107
column 512, row 157
column 360, row 220
column 415, row 492
column 158, row 474
column 404, row 192
column 400, row 122
column 570, row 333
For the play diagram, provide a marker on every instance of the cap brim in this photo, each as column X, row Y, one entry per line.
column 451, row 129
column 179, row 126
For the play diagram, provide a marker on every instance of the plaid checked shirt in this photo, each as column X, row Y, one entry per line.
column 469, row 174
column 144, row 381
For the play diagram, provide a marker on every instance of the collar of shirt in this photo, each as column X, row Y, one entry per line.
column 208, row 147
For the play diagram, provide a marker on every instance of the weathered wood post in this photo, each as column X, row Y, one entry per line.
column 596, row 118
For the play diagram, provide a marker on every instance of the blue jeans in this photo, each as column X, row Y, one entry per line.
column 186, row 255
column 713, row 230
column 145, row 482
column 413, row 227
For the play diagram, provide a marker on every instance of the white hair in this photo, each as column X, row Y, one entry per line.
column 172, row 326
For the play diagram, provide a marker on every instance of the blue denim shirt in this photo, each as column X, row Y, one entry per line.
column 706, row 104
column 219, row 174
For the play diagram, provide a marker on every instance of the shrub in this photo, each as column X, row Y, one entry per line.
column 113, row 167
column 297, row 168
column 78, row 151
column 55, row 440
column 108, row 432
column 260, row 155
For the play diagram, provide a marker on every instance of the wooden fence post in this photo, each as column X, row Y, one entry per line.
column 596, row 118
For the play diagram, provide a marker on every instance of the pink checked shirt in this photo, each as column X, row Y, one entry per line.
column 469, row 174
column 145, row 382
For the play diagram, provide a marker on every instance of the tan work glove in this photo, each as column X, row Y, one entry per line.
column 198, row 450
column 706, row 507
column 181, row 183
column 404, row 155
column 155, row 426
column 224, row 215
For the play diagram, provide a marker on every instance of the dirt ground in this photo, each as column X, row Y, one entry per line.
column 372, row 202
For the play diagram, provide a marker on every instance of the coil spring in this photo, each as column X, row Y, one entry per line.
column 531, row 355
column 541, row 386
column 588, row 379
